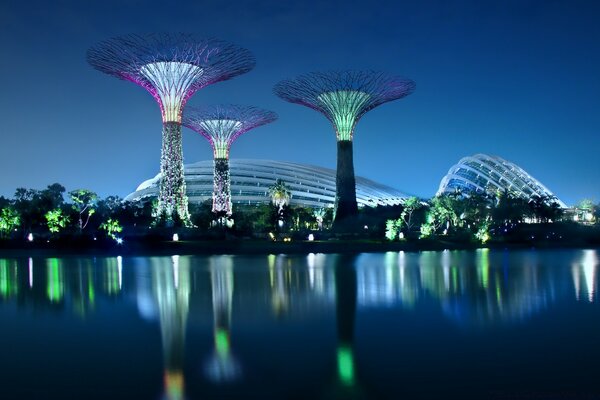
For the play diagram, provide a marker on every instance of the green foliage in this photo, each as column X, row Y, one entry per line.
column 56, row 220
column 427, row 229
column 483, row 232
column 84, row 202
column 9, row 221
column 112, row 227
column 410, row 205
column 391, row 229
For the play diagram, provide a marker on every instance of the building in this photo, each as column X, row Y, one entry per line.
column 482, row 173
column 310, row 186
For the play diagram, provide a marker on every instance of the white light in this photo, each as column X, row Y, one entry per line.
column 119, row 241
column 401, row 235
column 30, row 237
column 280, row 223
column 30, row 271
column 120, row 269
column 311, row 237
column 175, row 237
column 171, row 80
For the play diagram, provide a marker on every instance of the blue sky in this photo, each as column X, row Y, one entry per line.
column 518, row 79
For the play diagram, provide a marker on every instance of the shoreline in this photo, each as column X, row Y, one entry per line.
column 256, row 247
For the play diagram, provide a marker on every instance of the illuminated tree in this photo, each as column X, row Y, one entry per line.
column 56, row 220
column 9, row 221
column 280, row 197
column 172, row 68
column 344, row 97
column 221, row 126
column 112, row 227
column 84, row 202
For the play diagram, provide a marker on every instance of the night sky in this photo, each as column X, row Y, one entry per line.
column 518, row 79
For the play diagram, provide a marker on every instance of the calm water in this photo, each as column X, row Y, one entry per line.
column 453, row 324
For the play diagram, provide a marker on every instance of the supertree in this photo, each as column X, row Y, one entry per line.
column 222, row 125
column 344, row 97
column 172, row 67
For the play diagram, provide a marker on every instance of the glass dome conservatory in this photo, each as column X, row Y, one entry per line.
column 310, row 186
column 482, row 173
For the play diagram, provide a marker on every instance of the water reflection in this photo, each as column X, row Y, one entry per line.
column 222, row 366
column 171, row 288
column 584, row 275
column 480, row 289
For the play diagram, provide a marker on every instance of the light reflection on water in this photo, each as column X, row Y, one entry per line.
column 247, row 302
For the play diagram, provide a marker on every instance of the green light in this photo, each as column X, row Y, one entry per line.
column 345, row 365
column 222, row 342
column 54, row 289
column 8, row 278
column 484, row 267
column 91, row 291
column 345, row 108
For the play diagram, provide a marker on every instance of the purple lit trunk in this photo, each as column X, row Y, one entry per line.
column 221, row 187
column 172, row 200
column 345, row 196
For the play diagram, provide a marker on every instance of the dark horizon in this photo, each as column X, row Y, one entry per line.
column 519, row 80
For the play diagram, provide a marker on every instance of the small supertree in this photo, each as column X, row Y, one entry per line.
column 222, row 125
column 344, row 97
column 172, row 67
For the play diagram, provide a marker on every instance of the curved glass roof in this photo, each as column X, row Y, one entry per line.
column 309, row 185
column 482, row 173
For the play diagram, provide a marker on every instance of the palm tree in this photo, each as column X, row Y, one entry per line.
column 319, row 214
column 280, row 195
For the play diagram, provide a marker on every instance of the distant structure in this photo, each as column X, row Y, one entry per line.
column 482, row 173
column 222, row 125
column 344, row 97
column 172, row 67
column 310, row 186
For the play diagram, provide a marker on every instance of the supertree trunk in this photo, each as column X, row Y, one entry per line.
column 222, row 187
column 172, row 199
column 345, row 197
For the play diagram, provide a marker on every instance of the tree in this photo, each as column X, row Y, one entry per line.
column 84, row 202
column 9, row 221
column 410, row 205
column 319, row 215
column 280, row 194
column 111, row 227
column 56, row 220
column 280, row 197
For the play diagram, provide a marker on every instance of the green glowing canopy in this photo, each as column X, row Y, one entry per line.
column 344, row 108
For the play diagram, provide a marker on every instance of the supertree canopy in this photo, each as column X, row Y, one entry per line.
column 222, row 125
column 344, row 97
column 172, row 67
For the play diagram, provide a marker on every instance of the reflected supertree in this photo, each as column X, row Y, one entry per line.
column 222, row 366
column 347, row 384
column 172, row 67
column 343, row 97
column 221, row 125
column 171, row 287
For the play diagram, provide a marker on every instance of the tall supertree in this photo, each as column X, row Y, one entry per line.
column 222, row 125
column 344, row 97
column 172, row 67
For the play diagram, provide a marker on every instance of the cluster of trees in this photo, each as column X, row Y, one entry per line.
column 477, row 215
column 52, row 212
column 47, row 213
